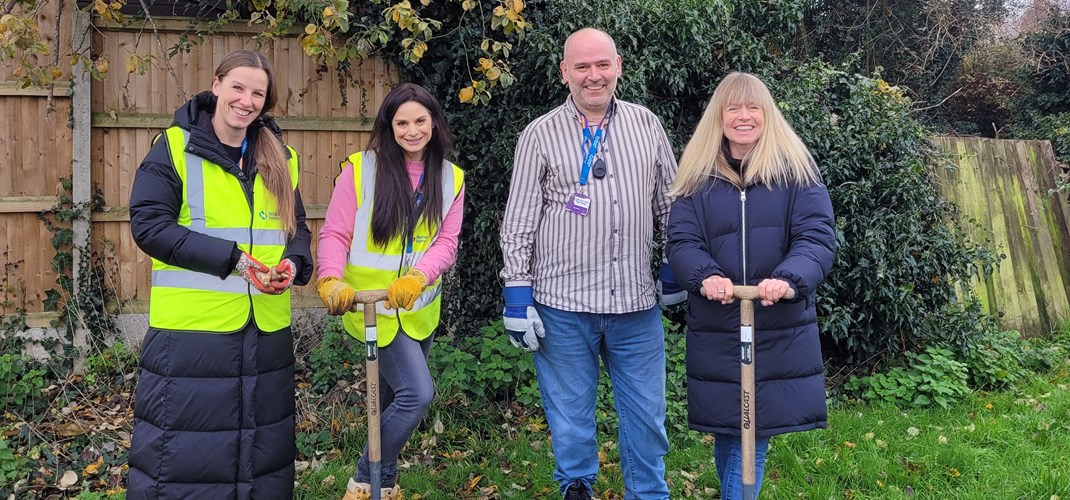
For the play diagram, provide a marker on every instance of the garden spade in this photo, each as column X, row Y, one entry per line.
column 747, row 402
column 369, row 298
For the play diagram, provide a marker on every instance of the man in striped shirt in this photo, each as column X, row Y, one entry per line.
column 590, row 178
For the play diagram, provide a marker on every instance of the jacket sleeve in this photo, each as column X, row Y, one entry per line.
column 299, row 247
column 689, row 255
column 155, row 201
column 811, row 241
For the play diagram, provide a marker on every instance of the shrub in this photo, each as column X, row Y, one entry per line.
column 110, row 365
column 10, row 463
column 21, row 383
column 899, row 260
column 485, row 367
column 933, row 376
column 334, row 357
column 997, row 361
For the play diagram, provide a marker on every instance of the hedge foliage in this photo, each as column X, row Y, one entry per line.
column 893, row 287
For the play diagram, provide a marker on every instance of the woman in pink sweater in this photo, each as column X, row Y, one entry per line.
column 393, row 223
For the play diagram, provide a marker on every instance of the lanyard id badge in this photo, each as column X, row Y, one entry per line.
column 578, row 203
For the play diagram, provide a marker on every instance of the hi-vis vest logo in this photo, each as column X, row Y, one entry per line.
column 265, row 215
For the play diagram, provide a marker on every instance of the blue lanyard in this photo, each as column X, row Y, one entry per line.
column 244, row 146
column 592, row 151
column 419, row 200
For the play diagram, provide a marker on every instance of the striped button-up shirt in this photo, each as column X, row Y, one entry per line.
column 598, row 263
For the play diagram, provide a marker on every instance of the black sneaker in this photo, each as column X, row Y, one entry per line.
column 577, row 491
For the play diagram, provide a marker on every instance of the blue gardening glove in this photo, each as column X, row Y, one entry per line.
column 669, row 292
column 522, row 323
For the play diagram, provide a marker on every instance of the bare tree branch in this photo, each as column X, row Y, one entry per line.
column 163, row 51
column 937, row 105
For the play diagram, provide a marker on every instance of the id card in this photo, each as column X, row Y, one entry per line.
column 578, row 203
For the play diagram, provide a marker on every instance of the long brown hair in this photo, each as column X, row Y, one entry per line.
column 269, row 154
column 394, row 212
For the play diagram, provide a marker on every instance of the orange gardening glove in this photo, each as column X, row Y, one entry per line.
column 402, row 292
column 336, row 295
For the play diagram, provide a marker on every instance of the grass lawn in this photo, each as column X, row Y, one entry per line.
column 1003, row 445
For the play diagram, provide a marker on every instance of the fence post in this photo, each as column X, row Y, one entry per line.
column 81, row 166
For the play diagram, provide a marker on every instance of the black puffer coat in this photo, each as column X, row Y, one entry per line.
column 749, row 235
column 214, row 412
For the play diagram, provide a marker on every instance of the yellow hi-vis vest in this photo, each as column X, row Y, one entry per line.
column 214, row 204
column 371, row 266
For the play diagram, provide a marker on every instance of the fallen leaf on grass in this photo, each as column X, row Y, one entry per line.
column 472, row 483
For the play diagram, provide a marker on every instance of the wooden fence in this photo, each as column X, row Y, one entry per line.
column 122, row 114
column 1002, row 186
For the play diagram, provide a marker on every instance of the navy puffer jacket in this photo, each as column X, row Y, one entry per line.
column 783, row 232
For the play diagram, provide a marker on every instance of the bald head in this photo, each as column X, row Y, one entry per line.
column 590, row 66
column 587, row 36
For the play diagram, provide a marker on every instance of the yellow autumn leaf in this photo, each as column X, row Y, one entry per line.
column 493, row 73
column 499, row 11
column 485, row 64
column 419, row 49
column 131, row 63
column 94, row 467
column 467, row 94
column 310, row 29
column 102, row 65
column 328, row 11
column 472, row 484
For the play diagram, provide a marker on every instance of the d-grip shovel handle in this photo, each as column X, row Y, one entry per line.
column 367, row 297
column 751, row 293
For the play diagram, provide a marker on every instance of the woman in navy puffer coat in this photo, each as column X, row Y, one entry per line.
column 751, row 210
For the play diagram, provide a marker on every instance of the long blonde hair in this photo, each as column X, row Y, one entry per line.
column 269, row 154
column 779, row 156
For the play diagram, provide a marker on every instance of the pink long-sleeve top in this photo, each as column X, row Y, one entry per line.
column 337, row 232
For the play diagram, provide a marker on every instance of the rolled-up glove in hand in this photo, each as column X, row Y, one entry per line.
column 522, row 322
column 282, row 276
column 669, row 291
column 254, row 272
column 337, row 295
column 403, row 291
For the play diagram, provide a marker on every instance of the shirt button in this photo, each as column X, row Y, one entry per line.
column 614, row 202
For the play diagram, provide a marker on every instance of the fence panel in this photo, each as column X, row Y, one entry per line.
column 1002, row 185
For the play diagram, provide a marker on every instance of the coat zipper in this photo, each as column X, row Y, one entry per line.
column 743, row 228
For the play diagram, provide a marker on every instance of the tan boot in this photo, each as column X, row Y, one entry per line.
column 363, row 491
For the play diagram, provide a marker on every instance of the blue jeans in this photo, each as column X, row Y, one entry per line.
column 728, row 455
column 405, row 393
column 632, row 347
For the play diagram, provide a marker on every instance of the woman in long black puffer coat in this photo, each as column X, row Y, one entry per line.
column 215, row 204
column 751, row 210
